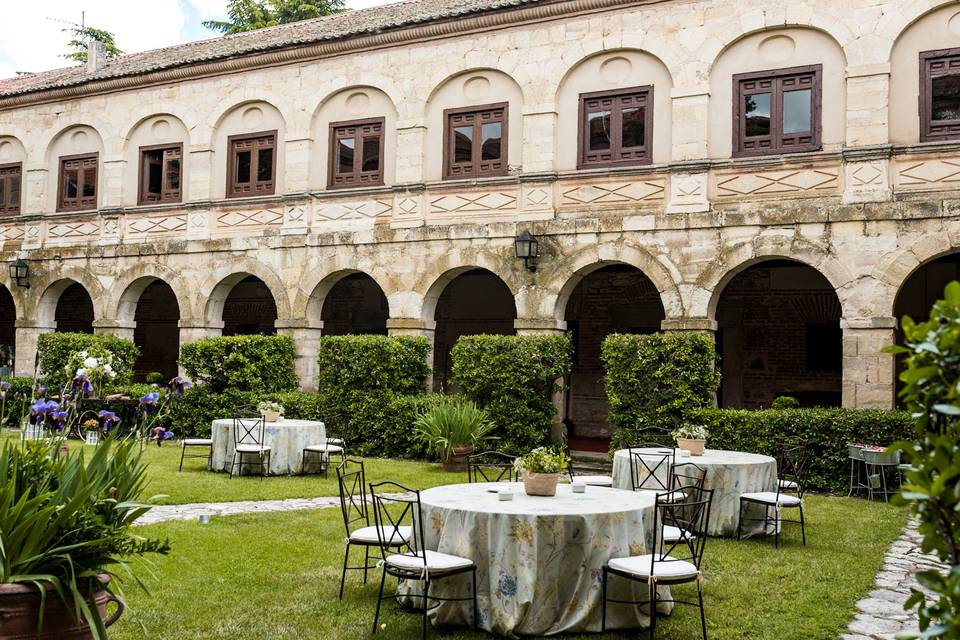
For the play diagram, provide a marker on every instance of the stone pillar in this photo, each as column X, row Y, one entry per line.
column 28, row 332
column 549, row 326
column 690, row 122
column 306, row 345
column 120, row 328
column 868, row 374
column 415, row 327
column 192, row 330
column 411, row 136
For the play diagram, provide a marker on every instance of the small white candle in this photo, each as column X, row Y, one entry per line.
column 505, row 494
column 579, row 487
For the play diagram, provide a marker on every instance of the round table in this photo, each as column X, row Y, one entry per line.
column 538, row 559
column 286, row 440
column 728, row 474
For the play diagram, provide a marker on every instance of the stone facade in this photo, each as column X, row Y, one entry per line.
column 865, row 212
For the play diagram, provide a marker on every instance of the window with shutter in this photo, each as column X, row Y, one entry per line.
column 475, row 142
column 777, row 112
column 940, row 95
column 356, row 154
column 77, row 190
column 160, row 173
column 616, row 128
column 10, row 188
column 252, row 164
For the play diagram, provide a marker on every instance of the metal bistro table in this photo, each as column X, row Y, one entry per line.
column 539, row 559
column 286, row 440
column 728, row 473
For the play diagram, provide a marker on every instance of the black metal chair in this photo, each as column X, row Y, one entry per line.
column 491, row 466
column 351, row 479
column 672, row 562
column 196, row 443
column 322, row 452
column 248, row 441
column 646, row 465
column 587, row 476
column 791, row 465
column 394, row 504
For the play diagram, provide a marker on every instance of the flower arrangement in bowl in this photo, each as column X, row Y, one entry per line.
column 691, row 437
column 270, row 410
column 541, row 469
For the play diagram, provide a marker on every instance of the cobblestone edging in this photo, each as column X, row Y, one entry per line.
column 880, row 615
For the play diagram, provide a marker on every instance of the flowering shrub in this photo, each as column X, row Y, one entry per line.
column 59, row 358
column 542, row 460
column 242, row 363
column 691, row 432
column 92, row 370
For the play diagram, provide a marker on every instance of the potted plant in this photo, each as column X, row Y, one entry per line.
column 270, row 410
column 453, row 426
column 65, row 522
column 691, row 437
column 541, row 469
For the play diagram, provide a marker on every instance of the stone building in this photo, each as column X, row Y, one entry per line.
column 782, row 174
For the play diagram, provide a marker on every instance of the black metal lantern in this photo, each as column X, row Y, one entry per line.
column 20, row 273
column 527, row 247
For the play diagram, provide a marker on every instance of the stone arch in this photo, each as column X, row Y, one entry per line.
column 51, row 286
column 430, row 285
column 130, row 285
column 312, row 307
column 250, row 116
column 897, row 267
column 12, row 149
column 8, row 330
column 893, row 29
column 613, row 69
column 220, row 283
column 823, row 21
column 73, row 140
column 570, row 271
column 152, row 130
column 148, row 311
column 777, row 48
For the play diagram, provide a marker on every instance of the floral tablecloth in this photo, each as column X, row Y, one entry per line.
column 286, row 440
column 728, row 473
column 538, row 559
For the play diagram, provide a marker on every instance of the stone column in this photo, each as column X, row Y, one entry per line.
column 28, row 332
column 193, row 329
column 120, row 328
column 868, row 374
column 306, row 345
column 549, row 326
column 415, row 327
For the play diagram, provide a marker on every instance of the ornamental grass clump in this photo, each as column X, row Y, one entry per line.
column 65, row 520
column 452, row 422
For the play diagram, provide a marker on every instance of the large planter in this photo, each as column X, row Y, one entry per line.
column 540, row 484
column 695, row 447
column 20, row 611
column 458, row 459
column 270, row 416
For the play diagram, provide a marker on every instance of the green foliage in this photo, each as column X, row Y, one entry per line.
column 80, row 36
column 155, row 377
column 64, row 520
column 15, row 401
column 192, row 414
column 246, row 15
column 654, row 380
column 828, row 430
column 452, row 422
column 785, row 402
column 513, row 378
column 931, row 392
column 542, row 460
column 373, row 363
column 58, row 356
column 241, row 363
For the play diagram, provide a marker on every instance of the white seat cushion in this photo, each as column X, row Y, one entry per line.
column 672, row 534
column 338, row 441
column 436, row 562
column 664, row 495
column 324, row 448
column 197, row 442
column 369, row 535
column 595, row 481
column 251, row 448
column 770, row 497
column 669, row 567
column 789, row 485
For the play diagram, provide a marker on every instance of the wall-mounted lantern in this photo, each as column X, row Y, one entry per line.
column 20, row 273
column 527, row 247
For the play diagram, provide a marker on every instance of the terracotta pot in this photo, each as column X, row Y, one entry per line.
column 540, row 484
column 458, row 459
column 20, row 611
column 695, row 447
column 270, row 416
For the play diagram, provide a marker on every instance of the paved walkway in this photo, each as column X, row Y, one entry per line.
column 880, row 616
column 193, row 511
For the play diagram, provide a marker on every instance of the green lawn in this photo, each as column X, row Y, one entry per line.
column 276, row 576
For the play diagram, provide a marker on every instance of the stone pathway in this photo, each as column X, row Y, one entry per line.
column 880, row 616
column 162, row 513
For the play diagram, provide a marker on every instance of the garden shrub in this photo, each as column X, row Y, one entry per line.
column 241, row 363
column 785, row 402
column 15, row 401
column 57, row 349
column 192, row 414
column 932, row 393
column 653, row 380
column 513, row 378
column 373, row 363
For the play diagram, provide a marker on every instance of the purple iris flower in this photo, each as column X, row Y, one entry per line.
column 82, row 382
column 150, row 398
column 58, row 419
column 179, row 384
column 4, row 387
column 107, row 419
column 41, row 409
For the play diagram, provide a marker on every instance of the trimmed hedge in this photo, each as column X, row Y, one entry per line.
column 56, row 349
column 827, row 430
column 653, row 380
column 241, row 363
column 513, row 378
column 373, row 363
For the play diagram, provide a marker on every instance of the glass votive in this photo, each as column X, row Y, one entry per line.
column 505, row 494
column 684, row 453
column 204, row 518
column 579, row 487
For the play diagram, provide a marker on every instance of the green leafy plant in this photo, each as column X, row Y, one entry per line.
column 690, row 431
column 514, row 379
column 241, row 363
column 59, row 356
column 64, row 520
column 931, row 393
column 785, row 402
column 542, row 460
column 655, row 380
column 155, row 377
column 265, row 406
column 452, row 422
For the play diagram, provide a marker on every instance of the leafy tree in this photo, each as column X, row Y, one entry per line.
column 932, row 394
column 247, row 15
column 82, row 35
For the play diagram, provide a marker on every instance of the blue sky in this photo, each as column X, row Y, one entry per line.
column 31, row 38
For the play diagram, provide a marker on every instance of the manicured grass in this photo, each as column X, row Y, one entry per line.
column 196, row 484
column 276, row 576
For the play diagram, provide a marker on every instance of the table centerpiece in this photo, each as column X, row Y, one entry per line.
column 691, row 437
column 541, row 469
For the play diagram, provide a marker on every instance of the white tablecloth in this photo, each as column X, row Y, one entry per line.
column 538, row 559
column 286, row 440
column 728, row 473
